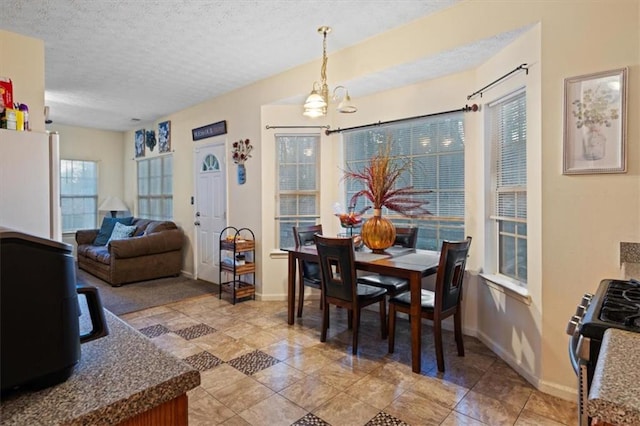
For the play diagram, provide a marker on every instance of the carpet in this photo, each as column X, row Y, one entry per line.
column 145, row 294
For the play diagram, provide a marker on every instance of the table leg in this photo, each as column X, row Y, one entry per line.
column 415, row 284
column 291, row 289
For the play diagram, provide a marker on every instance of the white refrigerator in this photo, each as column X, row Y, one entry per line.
column 30, row 183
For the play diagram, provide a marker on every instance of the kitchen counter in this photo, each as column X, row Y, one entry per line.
column 614, row 396
column 631, row 270
column 120, row 377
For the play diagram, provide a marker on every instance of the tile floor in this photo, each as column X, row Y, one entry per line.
column 257, row 370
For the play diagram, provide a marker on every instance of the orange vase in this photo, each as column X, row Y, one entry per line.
column 378, row 233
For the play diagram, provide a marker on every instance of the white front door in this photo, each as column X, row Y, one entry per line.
column 211, row 208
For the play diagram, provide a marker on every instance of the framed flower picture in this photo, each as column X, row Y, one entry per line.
column 595, row 110
column 164, row 136
column 139, row 142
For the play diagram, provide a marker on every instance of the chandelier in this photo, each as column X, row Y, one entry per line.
column 318, row 100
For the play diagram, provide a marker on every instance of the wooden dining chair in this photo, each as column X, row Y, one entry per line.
column 340, row 287
column 405, row 237
column 441, row 303
column 308, row 272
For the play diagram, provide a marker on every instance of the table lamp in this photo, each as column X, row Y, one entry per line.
column 114, row 205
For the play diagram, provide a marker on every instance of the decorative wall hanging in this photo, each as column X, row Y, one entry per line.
column 240, row 152
column 139, row 143
column 595, row 110
column 164, row 136
column 210, row 130
column 150, row 139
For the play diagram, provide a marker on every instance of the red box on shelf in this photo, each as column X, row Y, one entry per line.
column 6, row 91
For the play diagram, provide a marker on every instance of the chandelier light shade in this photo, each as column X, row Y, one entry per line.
column 318, row 100
column 113, row 205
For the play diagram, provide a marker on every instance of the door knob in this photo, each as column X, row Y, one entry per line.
column 197, row 214
column 196, row 223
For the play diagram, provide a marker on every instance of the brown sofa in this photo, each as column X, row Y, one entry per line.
column 154, row 251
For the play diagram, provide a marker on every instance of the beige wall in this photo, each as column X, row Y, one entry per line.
column 576, row 222
column 22, row 60
column 104, row 146
column 571, row 247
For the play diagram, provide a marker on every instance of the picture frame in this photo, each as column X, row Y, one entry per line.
column 139, row 143
column 164, row 136
column 595, row 120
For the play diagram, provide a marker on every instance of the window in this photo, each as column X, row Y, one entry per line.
column 78, row 194
column 155, row 188
column 435, row 147
column 298, row 184
column 508, row 135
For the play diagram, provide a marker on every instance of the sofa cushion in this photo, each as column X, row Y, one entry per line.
column 98, row 253
column 108, row 223
column 121, row 232
column 158, row 226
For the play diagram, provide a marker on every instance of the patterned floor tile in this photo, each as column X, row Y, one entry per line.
column 273, row 361
column 384, row 419
column 253, row 362
column 195, row 331
column 154, row 330
column 310, row 420
column 203, row 361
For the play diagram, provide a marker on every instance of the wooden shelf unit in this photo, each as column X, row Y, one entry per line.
column 239, row 279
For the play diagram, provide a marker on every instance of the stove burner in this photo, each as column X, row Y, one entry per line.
column 621, row 304
column 632, row 295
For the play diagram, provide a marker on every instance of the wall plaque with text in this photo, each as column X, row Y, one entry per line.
column 210, row 130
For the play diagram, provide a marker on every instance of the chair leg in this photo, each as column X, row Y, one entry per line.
column 437, row 333
column 356, row 327
column 325, row 323
column 392, row 327
column 457, row 323
column 383, row 318
column 350, row 319
column 300, row 299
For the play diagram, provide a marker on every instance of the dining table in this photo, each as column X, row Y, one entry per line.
column 408, row 263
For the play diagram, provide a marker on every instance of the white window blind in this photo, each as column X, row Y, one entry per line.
column 155, row 188
column 78, row 194
column 508, row 129
column 435, row 147
column 298, row 203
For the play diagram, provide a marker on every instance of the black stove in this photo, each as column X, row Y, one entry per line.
column 616, row 304
column 621, row 305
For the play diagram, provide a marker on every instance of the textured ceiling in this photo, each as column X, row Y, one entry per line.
column 107, row 62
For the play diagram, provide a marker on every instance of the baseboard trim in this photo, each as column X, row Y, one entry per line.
column 555, row 389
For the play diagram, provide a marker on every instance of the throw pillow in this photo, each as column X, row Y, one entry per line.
column 107, row 228
column 121, row 232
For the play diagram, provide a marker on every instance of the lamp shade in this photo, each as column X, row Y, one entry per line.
column 113, row 204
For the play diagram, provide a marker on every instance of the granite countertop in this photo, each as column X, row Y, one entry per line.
column 631, row 270
column 118, row 376
column 614, row 396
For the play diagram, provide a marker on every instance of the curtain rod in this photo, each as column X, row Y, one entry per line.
column 297, row 127
column 516, row 69
column 466, row 108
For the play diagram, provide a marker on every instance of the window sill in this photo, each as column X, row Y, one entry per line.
column 278, row 254
column 507, row 286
